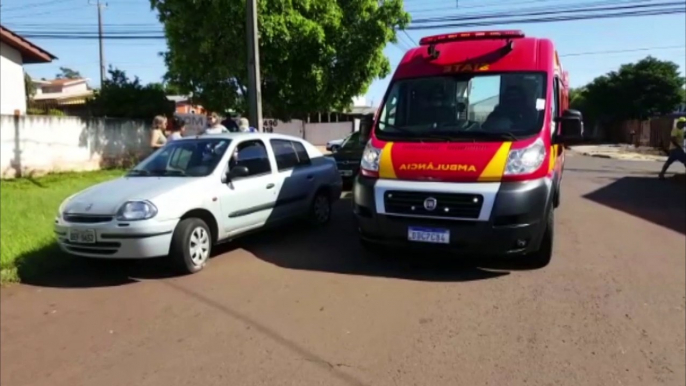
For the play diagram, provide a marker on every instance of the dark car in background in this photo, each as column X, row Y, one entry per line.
column 348, row 156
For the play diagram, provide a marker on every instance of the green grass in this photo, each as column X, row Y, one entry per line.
column 28, row 208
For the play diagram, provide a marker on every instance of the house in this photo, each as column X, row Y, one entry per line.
column 60, row 93
column 15, row 52
column 184, row 105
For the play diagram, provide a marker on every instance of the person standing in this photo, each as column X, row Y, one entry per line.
column 177, row 129
column 676, row 146
column 158, row 138
column 244, row 126
column 214, row 126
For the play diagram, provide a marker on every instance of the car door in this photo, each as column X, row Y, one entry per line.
column 294, row 179
column 248, row 202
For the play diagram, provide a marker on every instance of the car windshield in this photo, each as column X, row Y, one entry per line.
column 185, row 158
column 353, row 142
column 464, row 107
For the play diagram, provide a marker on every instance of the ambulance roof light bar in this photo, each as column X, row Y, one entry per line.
column 431, row 41
column 465, row 36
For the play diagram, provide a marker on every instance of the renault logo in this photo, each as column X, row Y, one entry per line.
column 430, row 204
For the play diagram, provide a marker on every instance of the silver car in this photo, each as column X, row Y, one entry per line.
column 196, row 192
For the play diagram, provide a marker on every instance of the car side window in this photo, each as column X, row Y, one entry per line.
column 286, row 157
column 254, row 156
column 303, row 157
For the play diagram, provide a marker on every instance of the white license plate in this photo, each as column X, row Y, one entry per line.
column 346, row 173
column 428, row 235
column 82, row 236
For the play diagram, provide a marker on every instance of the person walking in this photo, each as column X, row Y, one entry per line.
column 158, row 138
column 214, row 126
column 177, row 129
column 676, row 146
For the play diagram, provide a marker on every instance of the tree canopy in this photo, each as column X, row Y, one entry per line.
column 68, row 73
column 122, row 97
column 315, row 55
column 647, row 88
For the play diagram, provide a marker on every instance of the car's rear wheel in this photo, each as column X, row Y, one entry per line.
column 191, row 245
column 541, row 258
column 320, row 209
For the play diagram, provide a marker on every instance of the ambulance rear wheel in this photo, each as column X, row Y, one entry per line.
column 541, row 258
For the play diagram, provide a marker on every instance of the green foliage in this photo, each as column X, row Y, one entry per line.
column 121, row 97
column 647, row 88
column 68, row 73
column 315, row 55
column 29, row 87
column 34, row 111
column 56, row 113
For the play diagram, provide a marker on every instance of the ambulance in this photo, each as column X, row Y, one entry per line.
column 466, row 150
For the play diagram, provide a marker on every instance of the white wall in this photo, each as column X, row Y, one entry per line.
column 53, row 144
column 12, row 91
column 75, row 88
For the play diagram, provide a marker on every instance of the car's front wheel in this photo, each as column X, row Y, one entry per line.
column 320, row 209
column 191, row 245
column 544, row 254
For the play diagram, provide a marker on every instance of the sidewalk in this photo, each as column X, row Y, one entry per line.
column 621, row 152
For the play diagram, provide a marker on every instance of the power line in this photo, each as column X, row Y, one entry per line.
column 622, row 51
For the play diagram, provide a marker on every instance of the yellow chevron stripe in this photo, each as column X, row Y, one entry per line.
column 496, row 167
column 386, row 169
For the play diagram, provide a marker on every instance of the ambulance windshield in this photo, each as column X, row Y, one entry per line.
column 464, row 107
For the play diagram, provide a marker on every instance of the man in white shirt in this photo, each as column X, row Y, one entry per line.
column 214, row 126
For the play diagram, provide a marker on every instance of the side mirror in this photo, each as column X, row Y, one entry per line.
column 571, row 126
column 237, row 172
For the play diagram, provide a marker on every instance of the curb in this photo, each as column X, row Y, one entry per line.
column 606, row 156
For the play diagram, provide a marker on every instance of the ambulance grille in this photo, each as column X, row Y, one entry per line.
column 447, row 205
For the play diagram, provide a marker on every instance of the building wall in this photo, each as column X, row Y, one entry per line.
column 42, row 144
column 12, row 91
column 75, row 88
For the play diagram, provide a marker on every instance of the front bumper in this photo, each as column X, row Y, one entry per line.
column 119, row 240
column 511, row 220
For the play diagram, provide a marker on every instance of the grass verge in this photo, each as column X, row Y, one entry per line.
column 28, row 208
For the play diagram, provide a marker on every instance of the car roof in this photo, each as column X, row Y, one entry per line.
column 242, row 136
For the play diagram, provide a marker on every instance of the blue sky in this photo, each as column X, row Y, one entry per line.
column 141, row 58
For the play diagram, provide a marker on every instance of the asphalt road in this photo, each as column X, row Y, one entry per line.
column 304, row 307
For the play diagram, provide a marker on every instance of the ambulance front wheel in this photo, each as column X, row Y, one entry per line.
column 541, row 258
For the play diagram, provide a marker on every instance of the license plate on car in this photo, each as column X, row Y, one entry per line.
column 82, row 236
column 428, row 235
column 346, row 173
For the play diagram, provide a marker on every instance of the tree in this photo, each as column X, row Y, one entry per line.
column 68, row 73
column 29, row 87
column 640, row 90
column 315, row 55
column 121, row 97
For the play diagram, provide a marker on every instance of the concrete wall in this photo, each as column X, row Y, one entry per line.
column 42, row 144
column 320, row 133
column 12, row 91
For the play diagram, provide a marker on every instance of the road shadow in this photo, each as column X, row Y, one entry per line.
column 334, row 248
column 658, row 201
column 50, row 267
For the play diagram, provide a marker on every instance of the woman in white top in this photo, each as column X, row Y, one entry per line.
column 177, row 129
column 158, row 138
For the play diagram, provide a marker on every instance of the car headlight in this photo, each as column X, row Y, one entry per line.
column 526, row 160
column 370, row 158
column 136, row 210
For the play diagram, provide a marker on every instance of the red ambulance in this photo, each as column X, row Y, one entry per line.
column 465, row 153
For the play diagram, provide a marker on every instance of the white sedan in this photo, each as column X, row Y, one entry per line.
column 196, row 192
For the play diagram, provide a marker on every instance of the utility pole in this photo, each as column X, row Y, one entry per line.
column 100, row 7
column 254, row 83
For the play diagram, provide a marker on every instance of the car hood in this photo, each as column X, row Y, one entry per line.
column 441, row 161
column 107, row 197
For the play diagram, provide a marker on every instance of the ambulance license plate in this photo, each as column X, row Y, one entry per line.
column 428, row 235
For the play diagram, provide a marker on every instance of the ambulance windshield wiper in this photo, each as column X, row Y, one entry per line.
column 489, row 134
column 411, row 134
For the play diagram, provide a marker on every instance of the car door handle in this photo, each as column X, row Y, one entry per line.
column 270, row 186
column 310, row 177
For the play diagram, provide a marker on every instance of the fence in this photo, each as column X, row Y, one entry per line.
column 36, row 144
column 654, row 132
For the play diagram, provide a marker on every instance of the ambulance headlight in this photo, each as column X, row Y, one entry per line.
column 370, row 158
column 526, row 160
